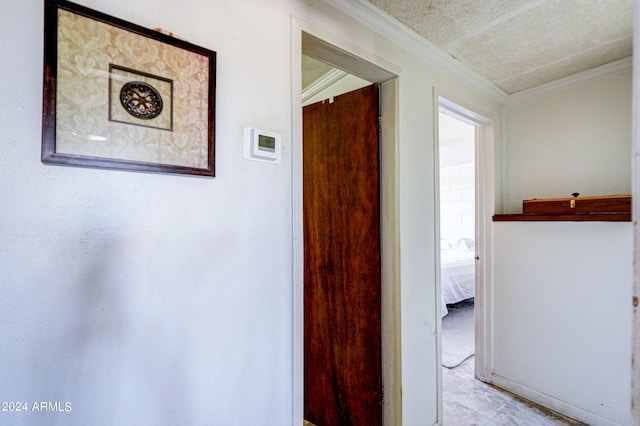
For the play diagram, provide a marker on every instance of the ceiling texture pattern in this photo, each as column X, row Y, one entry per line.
column 521, row 44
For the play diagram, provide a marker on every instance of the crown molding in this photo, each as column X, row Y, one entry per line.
column 324, row 82
column 381, row 22
column 573, row 80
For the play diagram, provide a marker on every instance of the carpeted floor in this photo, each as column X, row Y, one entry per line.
column 458, row 334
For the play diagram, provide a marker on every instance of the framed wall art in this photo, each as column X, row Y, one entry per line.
column 120, row 96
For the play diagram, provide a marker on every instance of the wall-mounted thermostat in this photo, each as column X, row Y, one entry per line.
column 261, row 145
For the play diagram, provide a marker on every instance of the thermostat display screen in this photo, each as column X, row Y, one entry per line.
column 266, row 143
column 262, row 145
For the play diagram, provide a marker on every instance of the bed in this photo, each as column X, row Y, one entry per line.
column 457, row 272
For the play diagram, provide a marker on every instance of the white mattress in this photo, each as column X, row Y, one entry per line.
column 457, row 272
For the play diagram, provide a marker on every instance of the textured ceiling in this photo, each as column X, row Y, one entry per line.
column 520, row 44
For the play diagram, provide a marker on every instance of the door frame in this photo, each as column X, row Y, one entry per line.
column 324, row 46
column 485, row 206
column 635, row 184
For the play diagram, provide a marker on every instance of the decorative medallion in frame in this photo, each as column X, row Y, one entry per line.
column 120, row 96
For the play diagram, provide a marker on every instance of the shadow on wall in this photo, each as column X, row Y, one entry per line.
column 106, row 345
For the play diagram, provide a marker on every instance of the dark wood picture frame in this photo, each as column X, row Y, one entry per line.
column 120, row 96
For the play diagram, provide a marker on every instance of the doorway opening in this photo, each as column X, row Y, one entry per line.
column 457, row 237
column 340, row 70
column 466, row 203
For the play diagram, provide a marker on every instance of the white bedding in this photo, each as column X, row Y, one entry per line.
column 457, row 272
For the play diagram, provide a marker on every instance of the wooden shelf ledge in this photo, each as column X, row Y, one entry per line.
column 587, row 217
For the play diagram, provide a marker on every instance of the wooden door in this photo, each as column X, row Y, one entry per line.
column 341, row 201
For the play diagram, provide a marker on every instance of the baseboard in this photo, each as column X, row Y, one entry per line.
column 551, row 403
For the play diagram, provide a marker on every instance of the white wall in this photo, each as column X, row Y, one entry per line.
column 573, row 138
column 457, row 202
column 561, row 290
column 562, row 316
column 155, row 299
column 143, row 298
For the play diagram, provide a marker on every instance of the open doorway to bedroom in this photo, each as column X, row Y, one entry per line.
column 464, row 142
column 457, row 169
